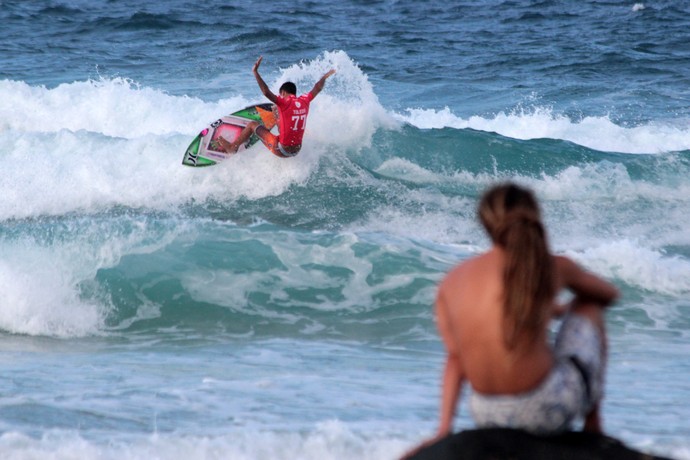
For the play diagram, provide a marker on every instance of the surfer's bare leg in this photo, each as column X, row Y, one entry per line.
column 231, row 147
column 227, row 146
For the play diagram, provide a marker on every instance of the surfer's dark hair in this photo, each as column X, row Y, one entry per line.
column 289, row 87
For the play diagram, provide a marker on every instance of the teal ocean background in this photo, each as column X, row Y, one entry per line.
column 282, row 309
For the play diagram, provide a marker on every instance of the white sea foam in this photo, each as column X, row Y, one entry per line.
column 121, row 108
column 598, row 133
column 39, row 298
column 330, row 440
column 637, row 265
column 40, row 281
column 114, row 107
column 595, row 212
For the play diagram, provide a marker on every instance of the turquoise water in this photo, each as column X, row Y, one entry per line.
column 265, row 308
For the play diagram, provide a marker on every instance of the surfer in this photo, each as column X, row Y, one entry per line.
column 493, row 312
column 292, row 117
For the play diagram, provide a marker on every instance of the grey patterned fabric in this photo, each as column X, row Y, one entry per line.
column 568, row 392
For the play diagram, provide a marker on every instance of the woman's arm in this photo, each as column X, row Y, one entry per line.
column 453, row 378
column 453, row 373
column 584, row 285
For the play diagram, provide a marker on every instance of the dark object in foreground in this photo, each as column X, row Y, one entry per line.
column 509, row 444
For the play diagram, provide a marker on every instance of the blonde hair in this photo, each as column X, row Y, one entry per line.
column 510, row 214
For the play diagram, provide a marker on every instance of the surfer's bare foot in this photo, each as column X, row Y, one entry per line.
column 229, row 147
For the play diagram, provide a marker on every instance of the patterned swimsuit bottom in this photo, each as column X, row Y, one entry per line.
column 571, row 390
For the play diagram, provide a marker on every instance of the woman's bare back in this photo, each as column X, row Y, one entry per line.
column 470, row 306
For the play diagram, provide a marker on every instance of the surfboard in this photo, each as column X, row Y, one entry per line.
column 205, row 150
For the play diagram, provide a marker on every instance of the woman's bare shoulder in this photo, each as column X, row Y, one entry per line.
column 467, row 267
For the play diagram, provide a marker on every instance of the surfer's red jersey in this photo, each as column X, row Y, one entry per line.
column 293, row 118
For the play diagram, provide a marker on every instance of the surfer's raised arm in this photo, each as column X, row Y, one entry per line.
column 322, row 81
column 262, row 84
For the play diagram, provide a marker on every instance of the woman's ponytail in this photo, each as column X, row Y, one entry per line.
column 510, row 215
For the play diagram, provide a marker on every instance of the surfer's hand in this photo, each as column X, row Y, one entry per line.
column 257, row 64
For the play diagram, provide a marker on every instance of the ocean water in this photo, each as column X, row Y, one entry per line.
column 282, row 309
